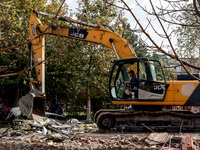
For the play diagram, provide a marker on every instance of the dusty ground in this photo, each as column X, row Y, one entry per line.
column 96, row 141
column 49, row 134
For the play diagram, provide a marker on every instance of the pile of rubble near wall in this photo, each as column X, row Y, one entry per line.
column 53, row 134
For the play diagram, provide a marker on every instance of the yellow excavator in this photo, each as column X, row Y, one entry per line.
column 149, row 94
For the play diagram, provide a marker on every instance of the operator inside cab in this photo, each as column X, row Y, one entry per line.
column 131, row 91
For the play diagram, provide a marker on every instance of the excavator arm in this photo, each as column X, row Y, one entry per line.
column 95, row 34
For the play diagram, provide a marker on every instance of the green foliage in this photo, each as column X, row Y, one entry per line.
column 14, row 27
column 187, row 34
column 80, row 65
column 169, row 72
column 97, row 12
column 137, row 43
column 89, row 66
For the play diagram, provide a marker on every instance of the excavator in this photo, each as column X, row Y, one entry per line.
column 148, row 96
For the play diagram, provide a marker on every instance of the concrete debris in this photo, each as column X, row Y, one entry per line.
column 157, row 138
column 72, row 134
column 56, row 137
column 36, row 124
column 14, row 111
column 73, row 121
column 44, row 130
column 187, row 143
column 135, row 139
column 61, row 127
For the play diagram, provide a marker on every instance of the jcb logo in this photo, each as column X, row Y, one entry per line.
column 82, row 34
column 32, row 27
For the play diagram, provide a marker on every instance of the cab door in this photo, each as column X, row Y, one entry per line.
column 152, row 84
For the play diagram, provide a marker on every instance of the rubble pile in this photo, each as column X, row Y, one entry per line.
column 53, row 134
column 47, row 127
column 45, row 131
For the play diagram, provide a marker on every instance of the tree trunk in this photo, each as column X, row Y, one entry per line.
column 16, row 102
column 88, row 118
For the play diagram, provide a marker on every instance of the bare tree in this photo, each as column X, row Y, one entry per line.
column 162, row 15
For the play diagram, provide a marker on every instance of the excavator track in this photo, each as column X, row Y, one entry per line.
column 174, row 121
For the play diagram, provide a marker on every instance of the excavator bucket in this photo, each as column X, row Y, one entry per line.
column 32, row 106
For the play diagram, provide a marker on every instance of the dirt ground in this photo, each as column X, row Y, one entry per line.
column 50, row 134
column 96, row 141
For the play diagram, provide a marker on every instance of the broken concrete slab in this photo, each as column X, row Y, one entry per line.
column 73, row 121
column 157, row 138
column 56, row 137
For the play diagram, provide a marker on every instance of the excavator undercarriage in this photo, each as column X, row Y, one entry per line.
column 165, row 120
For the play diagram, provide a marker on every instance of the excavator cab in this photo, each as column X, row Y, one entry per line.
column 150, row 84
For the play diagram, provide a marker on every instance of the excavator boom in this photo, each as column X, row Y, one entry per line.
column 95, row 34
